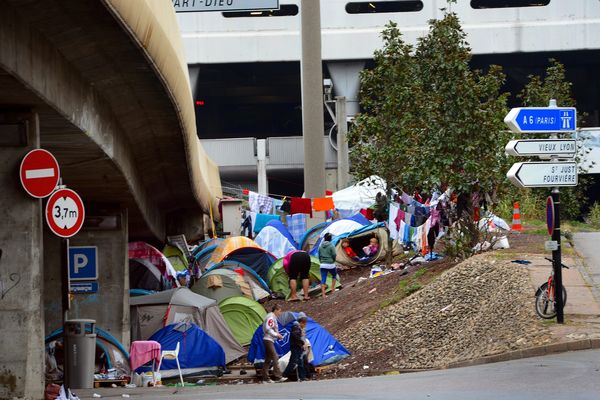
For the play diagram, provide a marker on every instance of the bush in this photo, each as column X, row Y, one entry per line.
column 593, row 217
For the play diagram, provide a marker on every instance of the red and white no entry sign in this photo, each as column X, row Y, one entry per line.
column 65, row 213
column 39, row 173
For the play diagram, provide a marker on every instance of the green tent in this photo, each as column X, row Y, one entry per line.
column 243, row 316
column 176, row 257
column 279, row 280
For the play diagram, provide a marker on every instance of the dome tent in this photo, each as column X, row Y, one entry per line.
column 245, row 251
column 221, row 283
column 243, row 316
column 360, row 238
column 276, row 239
column 279, row 279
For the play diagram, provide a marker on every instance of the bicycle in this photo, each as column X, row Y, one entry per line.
column 545, row 304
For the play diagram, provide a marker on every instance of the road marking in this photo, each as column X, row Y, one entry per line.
column 39, row 173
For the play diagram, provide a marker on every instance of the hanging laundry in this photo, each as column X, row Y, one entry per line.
column 300, row 205
column 277, row 205
column 260, row 203
column 406, row 199
column 323, row 204
column 368, row 213
column 286, row 206
column 393, row 227
column 399, row 217
column 262, row 219
column 296, row 225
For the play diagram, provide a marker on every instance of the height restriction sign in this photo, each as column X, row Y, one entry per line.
column 65, row 213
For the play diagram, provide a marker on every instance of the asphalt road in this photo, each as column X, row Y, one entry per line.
column 587, row 245
column 574, row 375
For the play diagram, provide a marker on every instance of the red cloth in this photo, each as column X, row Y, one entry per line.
column 368, row 213
column 350, row 252
column 300, row 205
column 143, row 351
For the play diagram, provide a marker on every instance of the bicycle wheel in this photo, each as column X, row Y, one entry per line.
column 544, row 305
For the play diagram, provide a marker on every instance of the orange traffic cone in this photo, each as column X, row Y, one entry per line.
column 516, row 222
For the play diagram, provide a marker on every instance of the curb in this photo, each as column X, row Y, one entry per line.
column 584, row 344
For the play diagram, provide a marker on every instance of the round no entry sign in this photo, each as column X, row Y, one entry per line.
column 39, row 173
column 65, row 213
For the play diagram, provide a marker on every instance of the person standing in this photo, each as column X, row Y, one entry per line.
column 271, row 334
column 327, row 261
column 297, row 263
column 297, row 344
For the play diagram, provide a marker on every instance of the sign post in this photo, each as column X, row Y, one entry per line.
column 555, row 173
column 65, row 213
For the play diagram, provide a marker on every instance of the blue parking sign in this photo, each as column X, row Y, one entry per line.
column 83, row 263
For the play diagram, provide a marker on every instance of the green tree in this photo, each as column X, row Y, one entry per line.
column 428, row 119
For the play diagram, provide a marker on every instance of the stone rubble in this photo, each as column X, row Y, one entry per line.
column 480, row 307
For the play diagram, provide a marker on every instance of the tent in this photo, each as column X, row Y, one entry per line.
column 221, row 283
column 143, row 250
column 340, row 227
column 260, row 288
column 152, row 312
column 360, row 238
column 325, row 348
column 279, row 280
column 198, row 352
column 175, row 255
column 110, row 353
column 207, row 243
column 145, row 275
column 311, row 236
column 276, row 239
column 360, row 195
column 243, row 316
column 244, row 250
column 203, row 256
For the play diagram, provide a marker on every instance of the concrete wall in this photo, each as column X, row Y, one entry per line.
column 21, row 270
column 110, row 305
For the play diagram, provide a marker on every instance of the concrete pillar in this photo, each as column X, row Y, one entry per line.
column 343, row 164
column 21, row 272
column 110, row 305
column 312, row 99
column 261, row 166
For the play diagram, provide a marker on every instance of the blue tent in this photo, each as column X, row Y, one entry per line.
column 198, row 351
column 326, row 349
column 276, row 239
column 341, row 227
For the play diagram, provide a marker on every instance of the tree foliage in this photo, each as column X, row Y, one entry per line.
column 428, row 119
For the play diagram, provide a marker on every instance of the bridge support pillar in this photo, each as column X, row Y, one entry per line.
column 21, row 267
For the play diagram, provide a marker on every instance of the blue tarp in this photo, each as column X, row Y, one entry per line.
column 197, row 349
column 326, row 349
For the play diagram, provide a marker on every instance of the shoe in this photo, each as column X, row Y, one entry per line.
column 282, row 379
column 268, row 381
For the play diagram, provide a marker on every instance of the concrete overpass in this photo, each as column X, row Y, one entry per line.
column 103, row 85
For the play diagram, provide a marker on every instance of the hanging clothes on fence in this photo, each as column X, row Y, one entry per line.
column 300, row 205
column 323, row 204
column 296, row 225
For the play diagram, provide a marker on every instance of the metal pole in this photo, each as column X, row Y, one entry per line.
column 556, row 258
column 66, row 301
column 312, row 99
column 342, row 142
column 261, row 166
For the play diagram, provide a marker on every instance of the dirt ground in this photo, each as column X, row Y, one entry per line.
column 357, row 301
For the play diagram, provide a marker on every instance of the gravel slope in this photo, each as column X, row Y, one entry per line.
column 480, row 307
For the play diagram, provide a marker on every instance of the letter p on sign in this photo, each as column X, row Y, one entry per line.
column 83, row 263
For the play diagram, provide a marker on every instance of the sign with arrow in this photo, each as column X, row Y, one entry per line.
column 65, row 213
column 542, row 119
column 563, row 148
column 543, row 174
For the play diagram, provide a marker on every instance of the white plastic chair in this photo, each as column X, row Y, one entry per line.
column 171, row 355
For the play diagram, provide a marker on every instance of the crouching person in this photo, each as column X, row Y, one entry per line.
column 296, row 368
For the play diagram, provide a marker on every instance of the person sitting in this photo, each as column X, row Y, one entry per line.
column 373, row 247
column 348, row 250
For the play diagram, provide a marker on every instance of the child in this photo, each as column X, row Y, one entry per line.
column 372, row 248
column 348, row 249
column 327, row 260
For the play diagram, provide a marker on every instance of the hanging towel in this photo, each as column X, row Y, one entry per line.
column 296, row 225
column 393, row 214
column 277, row 205
column 260, row 203
column 323, row 204
column 399, row 217
column 262, row 219
column 286, row 206
column 301, row 205
column 401, row 231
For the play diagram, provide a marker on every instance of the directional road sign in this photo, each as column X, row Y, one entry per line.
column 65, row 213
column 83, row 263
column 542, row 119
column 564, row 148
column 543, row 174
column 39, row 173
column 224, row 5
